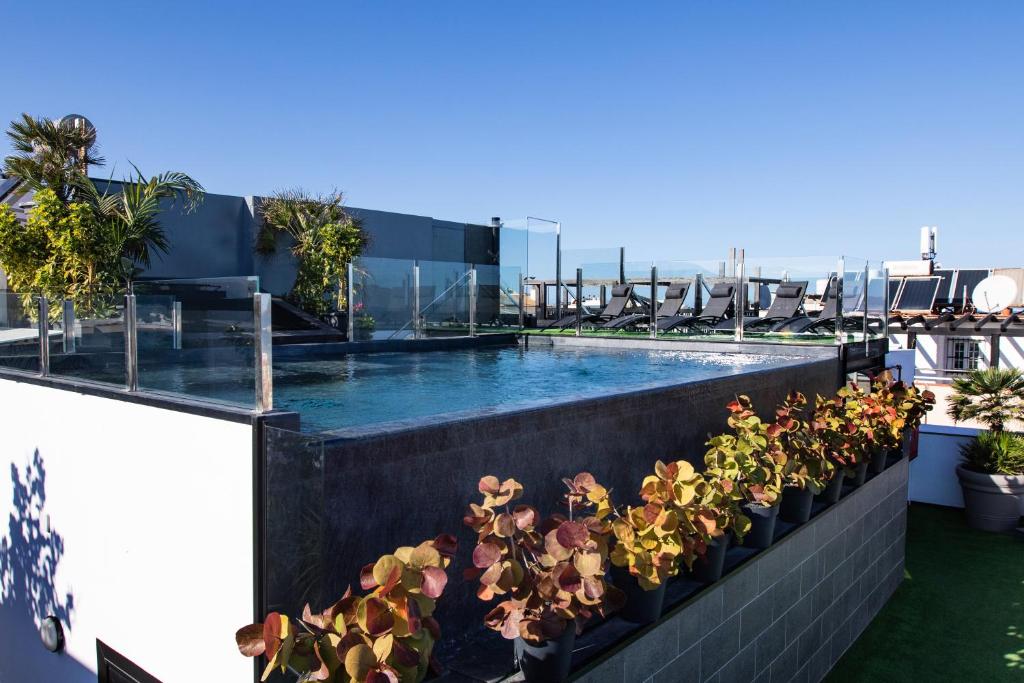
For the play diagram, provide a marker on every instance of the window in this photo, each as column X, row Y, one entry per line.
column 962, row 354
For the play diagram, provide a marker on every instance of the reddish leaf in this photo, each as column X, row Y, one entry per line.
column 489, row 484
column 434, row 581
column 250, row 640
column 366, row 580
column 379, row 619
column 572, row 535
column 435, row 628
column 404, row 655
column 412, row 615
column 446, row 544
column 525, row 516
column 272, row 634
column 486, row 554
column 568, row 578
column 381, row 676
column 394, row 578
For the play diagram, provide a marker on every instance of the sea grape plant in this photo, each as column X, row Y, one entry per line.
column 807, row 464
column 385, row 636
column 744, row 457
column 549, row 572
column 846, row 426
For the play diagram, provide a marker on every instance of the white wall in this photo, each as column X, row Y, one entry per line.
column 933, row 472
column 136, row 530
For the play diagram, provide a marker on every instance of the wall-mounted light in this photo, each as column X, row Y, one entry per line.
column 52, row 634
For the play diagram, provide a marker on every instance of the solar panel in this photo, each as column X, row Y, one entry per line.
column 943, row 298
column 968, row 279
column 894, row 289
column 918, row 294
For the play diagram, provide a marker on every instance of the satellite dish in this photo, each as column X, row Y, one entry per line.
column 78, row 121
column 994, row 293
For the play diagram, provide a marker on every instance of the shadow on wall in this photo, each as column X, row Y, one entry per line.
column 30, row 552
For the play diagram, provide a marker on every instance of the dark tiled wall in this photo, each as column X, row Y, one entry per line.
column 409, row 485
column 790, row 612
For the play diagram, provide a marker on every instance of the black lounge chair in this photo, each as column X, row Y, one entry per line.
column 622, row 296
column 675, row 295
column 825, row 321
column 719, row 307
column 789, row 297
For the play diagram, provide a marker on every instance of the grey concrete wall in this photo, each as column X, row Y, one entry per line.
column 409, row 485
column 789, row 613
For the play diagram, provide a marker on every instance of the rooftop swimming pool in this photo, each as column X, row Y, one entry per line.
column 373, row 389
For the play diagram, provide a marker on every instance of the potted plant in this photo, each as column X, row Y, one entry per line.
column 550, row 572
column 743, row 457
column 898, row 410
column 807, row 470
column 384, row 636
column 912, row 404
column 721, row 519
column 652, row 540
column 363, row 325
column 992, row 474
column 846, row 430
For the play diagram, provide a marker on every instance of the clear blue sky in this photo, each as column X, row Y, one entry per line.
column 676, row 129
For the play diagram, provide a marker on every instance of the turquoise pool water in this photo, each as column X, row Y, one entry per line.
column 373, row 389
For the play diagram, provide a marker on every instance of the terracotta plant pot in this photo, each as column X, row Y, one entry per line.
column 993, row 502
column 762, row 525
column 860, row 474
column 796, row 504
column 708, row 569
column 833, row 491
column 547, row 661
column 642, row 606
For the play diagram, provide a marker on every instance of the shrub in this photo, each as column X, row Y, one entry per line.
column 744, row 458
column 807, row 464
column 993, row 397
column 385, row 636
column 995, row 452
column 551, row 571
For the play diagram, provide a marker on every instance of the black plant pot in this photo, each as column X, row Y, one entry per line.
column 708, row 569
column 548, row 661
column 796, row 504
column 860, row 474
column 878, row 460
column 833, row 490
column 642, row 606
column 762, row 525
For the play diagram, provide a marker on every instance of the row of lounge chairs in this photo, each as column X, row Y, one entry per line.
column 785, row 314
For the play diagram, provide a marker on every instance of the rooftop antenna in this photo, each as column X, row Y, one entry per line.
column 929, row 236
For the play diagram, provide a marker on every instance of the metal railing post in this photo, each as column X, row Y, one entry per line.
column 698, row 293
column 472, row 302
column 68, row 323
column 840, row 270
column 416, row 333
column 43, row 325
column 741, row 297
column 654, row 303
column 579, row 301
column 350, row 322
column 885, row 301
column 131, row 345
column 522, row 303
column 558, row 271
column 263, row 348
column 867, row 307
column 176, row 335
column 622, row 265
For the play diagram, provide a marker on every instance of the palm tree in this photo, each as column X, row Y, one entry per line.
column 993, row 397
column 52, row 154
column 132, row 213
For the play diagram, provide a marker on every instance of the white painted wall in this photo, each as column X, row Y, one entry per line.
column 933, row 472
column 141, row 536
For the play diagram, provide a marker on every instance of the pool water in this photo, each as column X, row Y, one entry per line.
column 372, row 389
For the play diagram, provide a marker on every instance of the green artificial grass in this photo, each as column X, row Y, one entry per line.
column 957, row 616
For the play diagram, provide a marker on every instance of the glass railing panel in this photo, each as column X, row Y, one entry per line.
column 19, row 332
column 196, row 338
column 382, row 298
column 445, row 298
column 98, row 334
